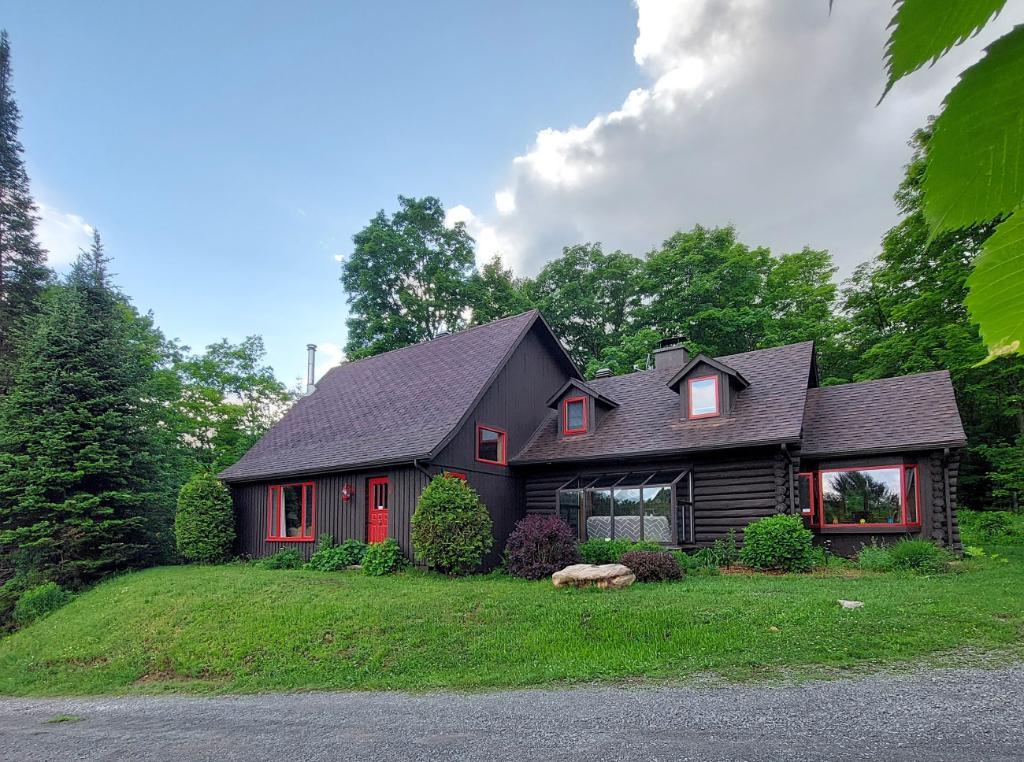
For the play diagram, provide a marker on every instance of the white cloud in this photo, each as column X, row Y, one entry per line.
column 758, row 113
column 62, row 234
column 328, row 355
column 489, row 241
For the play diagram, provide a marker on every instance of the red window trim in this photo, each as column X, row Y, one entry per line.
column 270, row 513
column 818, row 518
column 811, row 494
column 457, row 475
column 565, row 416
column 502, row 447
column 689, row 398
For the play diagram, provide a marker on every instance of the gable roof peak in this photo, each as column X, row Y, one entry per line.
column 682, row 373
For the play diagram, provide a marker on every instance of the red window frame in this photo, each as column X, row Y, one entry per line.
column 689, row 398
column 565, row 416
column 308, row 527
column 818, row 517
column 812, row 494
column 457, row 475
column 502, row 445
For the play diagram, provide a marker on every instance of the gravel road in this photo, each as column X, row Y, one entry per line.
column 942, row 715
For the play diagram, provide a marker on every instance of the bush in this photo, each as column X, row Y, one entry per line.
column 204, row 525
column 991, row 527
column 539, row 546
column 778, row 542
column 726, row 550
column 330, row 557
column 652, row 565
column 921, row 556
column 283, row 559
column 451, row 528
column 610, row 551
column 874, row 558
column 383, row 558
column 39, row 601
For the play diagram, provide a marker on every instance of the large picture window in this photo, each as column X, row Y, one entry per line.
column 636, row 506
column 491, row 445
column 291, row 512
column 703, row 397
column 871, row 496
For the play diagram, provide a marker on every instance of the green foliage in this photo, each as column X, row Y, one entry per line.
column 925, row 30
column 83, row 490
column 631, row 354
column 37, row 602
column 726, row 550
column 331, row 557
column 921, row 556
column 587, row 297
column 874, row 558
column 778, row 542
column 610, row 551
column 204, row 525
column 451, row 528
column 975, row 162
column 407, row 278
column 23, row 271
column 227, row 399
column 287, row 558
column 496, row 293
column 383, row 558
column 991, row 527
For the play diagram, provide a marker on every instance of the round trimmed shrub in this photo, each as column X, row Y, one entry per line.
column 652, row 565
column 204, row 525
column 382, row 558
column 451, row 528
column 39, row 601
column 779, row 542
column 539, row 546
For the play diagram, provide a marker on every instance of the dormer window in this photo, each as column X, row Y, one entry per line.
column 702, row 394
column 574, row 415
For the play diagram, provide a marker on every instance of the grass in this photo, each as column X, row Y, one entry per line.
column 243, row 629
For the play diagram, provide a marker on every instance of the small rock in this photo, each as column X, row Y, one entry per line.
column 851, row 604
column 773, row 628
column 608, row 576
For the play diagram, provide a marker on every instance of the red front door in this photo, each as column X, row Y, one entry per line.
column 377, row 510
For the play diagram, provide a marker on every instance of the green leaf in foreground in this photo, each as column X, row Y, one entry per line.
column 925, row 30
column 996, row 300
column 976, row 156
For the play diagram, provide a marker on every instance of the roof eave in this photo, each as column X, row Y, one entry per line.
column 656, row 453
column 336, row 469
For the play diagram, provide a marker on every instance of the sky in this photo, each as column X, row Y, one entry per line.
column 228, row 151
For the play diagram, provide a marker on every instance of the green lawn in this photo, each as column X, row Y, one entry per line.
column 241, row 628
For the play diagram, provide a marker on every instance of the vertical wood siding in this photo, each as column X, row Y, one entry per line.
column 334, row 516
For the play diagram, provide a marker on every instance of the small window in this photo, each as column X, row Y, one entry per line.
column 703, row 396
column 292, row 513
column 574, row 415
column 490, row 445
column 806, row 494
column 570, row 507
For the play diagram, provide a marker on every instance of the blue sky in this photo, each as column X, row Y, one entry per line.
column 227, row 151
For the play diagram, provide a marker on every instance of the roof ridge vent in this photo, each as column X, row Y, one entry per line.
column 604, row 373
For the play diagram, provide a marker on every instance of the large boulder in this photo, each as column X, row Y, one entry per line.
column 609, row 576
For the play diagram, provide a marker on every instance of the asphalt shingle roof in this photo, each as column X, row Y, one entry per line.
column 647, row 421
column 904, row 413
column 392, row 407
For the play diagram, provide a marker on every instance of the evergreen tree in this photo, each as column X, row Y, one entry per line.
column 81, row 489
column 23, row 271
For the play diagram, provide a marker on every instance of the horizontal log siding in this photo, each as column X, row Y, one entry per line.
column 730, row 492
column 334, row 516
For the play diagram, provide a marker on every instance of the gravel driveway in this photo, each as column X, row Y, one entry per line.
column 944, row 715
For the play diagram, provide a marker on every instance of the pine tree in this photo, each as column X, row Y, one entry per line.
column 23, row 271
column 81, row 490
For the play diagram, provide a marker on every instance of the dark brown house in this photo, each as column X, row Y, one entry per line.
column 678, row 454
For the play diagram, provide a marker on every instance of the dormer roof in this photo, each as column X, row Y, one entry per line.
column 582, row 388
column 680, row 375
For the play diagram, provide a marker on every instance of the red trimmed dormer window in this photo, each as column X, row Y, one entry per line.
column 574, row 416
column 702, row 395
